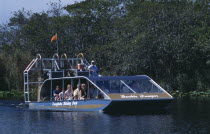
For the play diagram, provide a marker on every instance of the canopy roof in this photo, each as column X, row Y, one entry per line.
column 104, row 78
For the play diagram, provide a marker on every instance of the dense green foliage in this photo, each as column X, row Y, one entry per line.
column 11, row 95
column 168, row 40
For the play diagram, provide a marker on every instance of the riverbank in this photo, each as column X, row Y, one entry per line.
column 12, row 95
column 15, row 95
column 11, row 98
column 192, row 94
column 11, row 103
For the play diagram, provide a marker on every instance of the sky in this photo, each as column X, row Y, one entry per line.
column 8, row 7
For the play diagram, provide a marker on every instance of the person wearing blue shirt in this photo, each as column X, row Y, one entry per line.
column 56, row 93
column 93, row 69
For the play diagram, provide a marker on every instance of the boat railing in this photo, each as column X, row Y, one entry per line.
column 63, row 61
column 46, row 68
column 54, row 62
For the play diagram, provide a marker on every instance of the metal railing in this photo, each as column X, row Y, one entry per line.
column 49, row 65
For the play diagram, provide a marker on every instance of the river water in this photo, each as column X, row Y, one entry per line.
column 185, row 116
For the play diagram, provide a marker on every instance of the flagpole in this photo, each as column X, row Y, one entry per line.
column 57, row 42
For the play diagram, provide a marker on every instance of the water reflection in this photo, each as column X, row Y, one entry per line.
column 24, row 121
column 184, row 117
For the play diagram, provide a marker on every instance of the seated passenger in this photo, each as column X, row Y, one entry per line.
column 125, row 89
column 61, row 95
column 56, row 93
column 92, row 92
column 83, row 92
column 135, row 87
column 68, row 93
column 93, row 69
column 76, row 93
column 101, row 95
column 104, row 89
column 115, row 87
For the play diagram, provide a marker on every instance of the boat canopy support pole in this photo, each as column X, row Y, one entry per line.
column 51, row 90
column 98, row 88
column 127, row 86
column 63, row 89
column 160, row 87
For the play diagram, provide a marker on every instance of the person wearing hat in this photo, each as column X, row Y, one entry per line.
column 93, row 68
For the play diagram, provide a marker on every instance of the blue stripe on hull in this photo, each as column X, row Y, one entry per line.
column 70, row 105
column 105, row 105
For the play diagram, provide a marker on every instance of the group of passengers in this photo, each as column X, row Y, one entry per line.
column 80, row 93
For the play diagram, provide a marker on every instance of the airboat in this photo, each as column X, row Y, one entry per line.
column 119, row 93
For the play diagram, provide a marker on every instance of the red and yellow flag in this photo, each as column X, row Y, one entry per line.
column 54, row 38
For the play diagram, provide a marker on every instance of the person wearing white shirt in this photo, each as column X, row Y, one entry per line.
column 77, row 92
column 68, row 93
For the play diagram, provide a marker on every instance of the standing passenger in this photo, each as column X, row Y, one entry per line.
column 93, row 68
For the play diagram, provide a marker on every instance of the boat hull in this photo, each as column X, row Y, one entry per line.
column 137, row 106
column 111, row 106
column 70, row 105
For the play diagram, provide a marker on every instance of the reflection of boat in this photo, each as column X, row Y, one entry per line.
column 111, row 93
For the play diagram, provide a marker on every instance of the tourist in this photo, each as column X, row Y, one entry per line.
column 83, row 92
column 77, row 92
column 93, row 69
column 68, row 93
column 56, row 93
column 101, row 94
column 61, row 96
column 104, row 89
column 92, row 92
